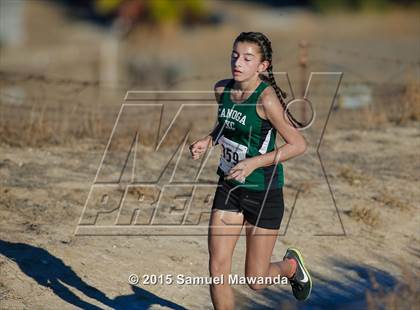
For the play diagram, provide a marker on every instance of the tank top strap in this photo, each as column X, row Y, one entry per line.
column 226, row 90
column 256, row 94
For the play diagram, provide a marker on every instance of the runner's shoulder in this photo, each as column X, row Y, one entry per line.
column 219, row 87
column 268, row 97
column 268, row 93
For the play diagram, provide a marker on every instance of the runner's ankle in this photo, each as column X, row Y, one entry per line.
column 293, row 264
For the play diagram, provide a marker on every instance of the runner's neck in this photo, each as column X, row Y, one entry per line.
column 246, row 88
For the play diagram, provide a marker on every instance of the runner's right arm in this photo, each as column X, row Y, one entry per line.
column 198, row 147
column 219, row 88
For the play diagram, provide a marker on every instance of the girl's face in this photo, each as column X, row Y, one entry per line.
column 246, row 61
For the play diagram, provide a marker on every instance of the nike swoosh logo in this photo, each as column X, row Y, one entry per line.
column 305, row 278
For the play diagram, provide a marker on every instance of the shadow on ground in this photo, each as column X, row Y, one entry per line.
column 347, row 293
column 51, row 272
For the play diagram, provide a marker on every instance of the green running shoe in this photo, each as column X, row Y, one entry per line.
column 301, row 281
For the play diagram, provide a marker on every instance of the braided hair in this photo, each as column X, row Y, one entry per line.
column 267, row 54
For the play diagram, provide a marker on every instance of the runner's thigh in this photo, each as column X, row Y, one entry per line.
column 224, row 231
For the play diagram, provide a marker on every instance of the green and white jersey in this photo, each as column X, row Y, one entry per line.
column 245, row 134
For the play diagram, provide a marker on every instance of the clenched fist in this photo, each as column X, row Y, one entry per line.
column 198, row 147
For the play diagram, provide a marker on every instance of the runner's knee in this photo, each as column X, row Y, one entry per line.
column 219, row 265
column 254, row 275
column 256, row 287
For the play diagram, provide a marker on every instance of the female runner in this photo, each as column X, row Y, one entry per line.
column 250, row 188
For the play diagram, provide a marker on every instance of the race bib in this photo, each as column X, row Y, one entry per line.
column 232, row 153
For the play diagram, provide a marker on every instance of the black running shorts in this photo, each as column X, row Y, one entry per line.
column 235, row 198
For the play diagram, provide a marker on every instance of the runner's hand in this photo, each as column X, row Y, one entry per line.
column 198, row 147
column 241, row 170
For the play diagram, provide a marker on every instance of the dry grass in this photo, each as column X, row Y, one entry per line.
column 400, row 107
column 373, row 116
column 6, row 200
column 304, row 187
column 352, row 176
column 40, row 125
column 365, row 215
column 392, row 201
column 37, row 120
column 48, row 124
column 145, row 193
column 3, row 288
column 409, row 107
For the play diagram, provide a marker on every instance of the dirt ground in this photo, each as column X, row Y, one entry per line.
column 45, row 190
column 360, row 237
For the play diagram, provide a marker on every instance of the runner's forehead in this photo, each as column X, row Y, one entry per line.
column 245, row 48
column 246, row 54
